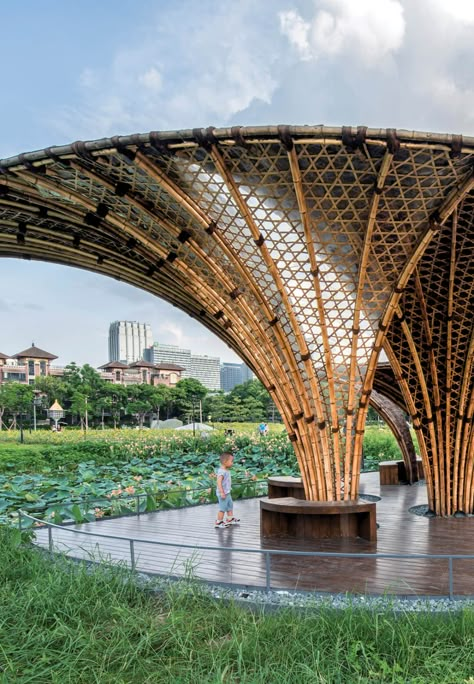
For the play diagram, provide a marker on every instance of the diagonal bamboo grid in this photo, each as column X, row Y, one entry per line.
column 307, row 250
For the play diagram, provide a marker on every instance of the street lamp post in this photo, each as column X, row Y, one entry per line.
column 193, row 400
column 56, row 412
column 37, row 402
column 22, row 439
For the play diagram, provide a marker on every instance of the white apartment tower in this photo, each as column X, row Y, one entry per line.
column 206, row 369
column 128, row 340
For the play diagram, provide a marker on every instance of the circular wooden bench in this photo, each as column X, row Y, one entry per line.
column 301, row 519
column 394, row 472
column 285, row 485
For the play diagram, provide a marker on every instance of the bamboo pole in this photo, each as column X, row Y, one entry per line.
column 331, row 470
column 449, row 375
column 433, row 365
column 468, row 453
column 352, row 464
column 438, row 464
column 384, row 324
column 431, row 486
column 463, row 403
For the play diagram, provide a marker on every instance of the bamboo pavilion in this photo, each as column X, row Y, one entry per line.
column 309, row 250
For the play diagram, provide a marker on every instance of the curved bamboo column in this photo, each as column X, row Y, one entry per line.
column 395, row 419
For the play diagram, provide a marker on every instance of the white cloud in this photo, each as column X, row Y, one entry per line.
column 368, row 29
column 446, row 93
column 151, row 79
column 297, row 30
column 204, row 73
column 461, row 10
column 169, row 332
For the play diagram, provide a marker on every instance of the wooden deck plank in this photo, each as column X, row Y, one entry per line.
column 399, row 532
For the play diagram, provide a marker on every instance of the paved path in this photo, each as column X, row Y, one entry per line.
column 399, row 532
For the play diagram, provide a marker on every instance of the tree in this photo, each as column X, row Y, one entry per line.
column 187, row 395
column 72, row 375
column 4, row 402
column 254, row 409
column 80, row 406
column 83, row 387
column 110, row 400
column 215, row 406
column 117, row 395
column 247, row 402
column 139, row 403
column 53, row 387
column 19, row 402
column 159, row 397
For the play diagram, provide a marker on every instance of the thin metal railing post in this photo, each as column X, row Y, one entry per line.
column 450, row 569
column 267, row 571
column 138, row 504
column 50, row 539
column 132, row 554
column 20, row 514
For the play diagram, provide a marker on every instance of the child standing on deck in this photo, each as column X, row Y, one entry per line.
column 223, row 490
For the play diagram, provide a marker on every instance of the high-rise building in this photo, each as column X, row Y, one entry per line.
column 169, row 353
column 247, row 373
column 233, row 374
column 206, row 369
column 128, row 340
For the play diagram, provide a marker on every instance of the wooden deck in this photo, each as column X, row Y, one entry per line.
column 399, row 532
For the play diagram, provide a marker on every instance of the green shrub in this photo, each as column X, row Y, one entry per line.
column 379, row 445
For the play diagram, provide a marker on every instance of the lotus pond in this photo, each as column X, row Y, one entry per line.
column 64, row 477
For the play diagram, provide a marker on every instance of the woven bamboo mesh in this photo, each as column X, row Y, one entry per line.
column 307, row 250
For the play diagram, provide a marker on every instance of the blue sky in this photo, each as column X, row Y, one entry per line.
column 91, row 69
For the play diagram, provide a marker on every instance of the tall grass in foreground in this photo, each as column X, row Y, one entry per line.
column 60, row 623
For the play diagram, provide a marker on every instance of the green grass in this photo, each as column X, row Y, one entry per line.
column 60, row 624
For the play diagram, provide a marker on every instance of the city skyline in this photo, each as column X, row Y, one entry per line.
column 337, row 62
column 123, row 302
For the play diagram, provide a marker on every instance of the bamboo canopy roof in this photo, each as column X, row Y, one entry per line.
column 307, row 249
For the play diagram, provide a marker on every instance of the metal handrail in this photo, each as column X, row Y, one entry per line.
column 267, row 553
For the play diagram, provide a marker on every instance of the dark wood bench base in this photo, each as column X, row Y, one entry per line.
column 394, row 472
column 285, row 485
column 301, row 519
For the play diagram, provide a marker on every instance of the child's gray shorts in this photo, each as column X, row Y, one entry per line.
column 225, row 504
